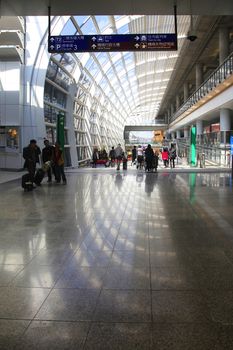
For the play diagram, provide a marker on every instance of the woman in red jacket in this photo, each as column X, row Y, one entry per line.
column 165, row 157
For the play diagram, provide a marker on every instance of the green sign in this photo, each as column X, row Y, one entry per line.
column 193, row 158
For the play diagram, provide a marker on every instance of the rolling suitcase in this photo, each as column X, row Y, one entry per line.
column 39, row 177
column 27, row 183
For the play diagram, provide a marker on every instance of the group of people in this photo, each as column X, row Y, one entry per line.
column 169, row 156
column 116, row 156
column 143, row 157
column 50, row 155
column 150, row 157
column 146, row 157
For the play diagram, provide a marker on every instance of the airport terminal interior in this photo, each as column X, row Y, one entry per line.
column 126, row 258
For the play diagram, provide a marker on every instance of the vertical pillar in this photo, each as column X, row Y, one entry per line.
column 178, row 134
column 172, row 110
column 193, row 158
column 186, row 133
column 199, row 131
column 199, row 126
column 173, row 135
column 199, row 74
column 186, row 91
column 223, row 44
column 225, row 124
column 225, row 127
column 70, row 125
column 177, row 102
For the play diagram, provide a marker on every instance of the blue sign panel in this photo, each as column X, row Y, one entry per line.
column 109, row 43
column 231, row 142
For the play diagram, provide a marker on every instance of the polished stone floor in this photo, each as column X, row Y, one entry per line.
column 118, row 261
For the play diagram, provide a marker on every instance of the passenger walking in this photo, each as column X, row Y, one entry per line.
column 165, row 157
column 118, row 153
column 58, row 161
column 95, row 157
column 134, row 154
column 112, row 157
column 156, row 160
column 172, row 156
column 140, row 157
column 31, row 155
column 149, row 157
column 47, row 156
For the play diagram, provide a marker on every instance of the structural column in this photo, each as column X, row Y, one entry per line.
column 186, row 91
column 199, row 127
column 177, row 102
column 223, row 44
column 186, row 133
column 225, row 124
column 199, row 74
column 178, row 134
column 172, row 110
column 225, row 127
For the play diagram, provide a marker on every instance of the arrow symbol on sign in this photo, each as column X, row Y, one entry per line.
column 52, row 39
column 51, row 47
column 93, row 38
column 137, row 38
column 93, row 46
column 137, row 46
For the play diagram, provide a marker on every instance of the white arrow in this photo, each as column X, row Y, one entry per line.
column 137, row 46
column 51, row 47
column 93, row 46
column 93, row 38
column 52, row 39
column 137, row 37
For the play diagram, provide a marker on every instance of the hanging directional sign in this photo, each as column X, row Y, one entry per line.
column 108, row 43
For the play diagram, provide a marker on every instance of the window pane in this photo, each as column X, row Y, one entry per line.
column 102, row 21
column 69, row 28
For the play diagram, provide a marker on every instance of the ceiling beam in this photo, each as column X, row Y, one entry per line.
column 113, row 7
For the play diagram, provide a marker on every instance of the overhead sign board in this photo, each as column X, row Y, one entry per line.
column 109, row 43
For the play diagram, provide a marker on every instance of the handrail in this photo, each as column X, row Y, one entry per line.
column 217, row 77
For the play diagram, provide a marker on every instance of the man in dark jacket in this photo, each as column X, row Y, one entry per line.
column 31, row 156
column 47, row 155
column 149, row 155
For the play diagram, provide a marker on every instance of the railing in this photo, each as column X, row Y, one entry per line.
column 206, row 155
column 216, row 78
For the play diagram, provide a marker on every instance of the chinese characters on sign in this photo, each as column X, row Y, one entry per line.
column 108, row 43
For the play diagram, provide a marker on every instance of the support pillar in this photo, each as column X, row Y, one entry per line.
column 186, row 91
column 199, row 126
column 223, row 44
column 225, row 124
column 172, row 110
column 225, row 127
column 177, row 102
column 186, row 133
column 199, row 74
column 193, row 157
column 178, row 134
column 173, row 135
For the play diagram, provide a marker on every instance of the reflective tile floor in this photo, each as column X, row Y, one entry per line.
column 118, row 261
